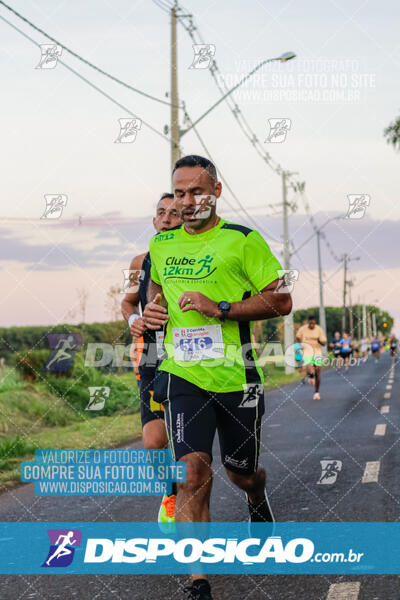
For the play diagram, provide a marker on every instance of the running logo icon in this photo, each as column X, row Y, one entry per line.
column 63, row 543
column 287, row 279
column 252, row 394
column 203, row 53
column 205, row 264
column 330, row 471
column 50, row 54
column 98, row 396
column 132, row 279
column 55, row 203
column 62, row 346
column 128, row 129
column 278, row 129
column 204, row 205
column 357, row 205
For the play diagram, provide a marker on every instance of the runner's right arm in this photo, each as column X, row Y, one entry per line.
column 155, row 315
column 130, row 302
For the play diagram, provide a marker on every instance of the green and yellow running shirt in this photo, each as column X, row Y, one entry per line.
column 229, row 262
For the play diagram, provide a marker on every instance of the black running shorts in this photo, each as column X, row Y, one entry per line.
column 153, row 391
column 193, row 415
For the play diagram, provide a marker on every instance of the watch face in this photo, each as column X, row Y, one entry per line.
column 224, row 305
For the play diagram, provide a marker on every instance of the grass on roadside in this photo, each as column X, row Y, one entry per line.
column 103, row 432
column 37, row 415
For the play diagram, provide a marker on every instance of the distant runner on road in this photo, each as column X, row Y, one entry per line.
column 376, row 348
column 364, row 348
column 336, row 348
column 312, row 337
column 347, row 349
column 298, row 356
column 393, row 346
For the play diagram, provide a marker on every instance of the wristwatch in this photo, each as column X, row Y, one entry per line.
column 224, row 307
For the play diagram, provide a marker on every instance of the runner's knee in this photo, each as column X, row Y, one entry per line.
column 154, row 435
column 198, row 471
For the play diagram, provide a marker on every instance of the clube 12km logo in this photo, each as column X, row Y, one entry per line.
column 190, row 268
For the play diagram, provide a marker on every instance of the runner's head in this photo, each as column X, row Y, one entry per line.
column 345, row 334
column 196, row 188
column 337, row 335
column 167, row 215
column 311, row 321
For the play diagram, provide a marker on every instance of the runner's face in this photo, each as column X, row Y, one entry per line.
column 311, row 324
column 167, row 215
column 189, row 182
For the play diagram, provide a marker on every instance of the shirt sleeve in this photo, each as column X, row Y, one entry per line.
column 260, row 265
column 154, row 273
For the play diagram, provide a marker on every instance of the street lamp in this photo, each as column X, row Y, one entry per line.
column 317, row 232
column 282, row 58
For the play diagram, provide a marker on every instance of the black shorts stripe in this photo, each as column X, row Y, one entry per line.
column 252, row 375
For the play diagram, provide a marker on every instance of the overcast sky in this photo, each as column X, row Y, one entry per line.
column 58, row 136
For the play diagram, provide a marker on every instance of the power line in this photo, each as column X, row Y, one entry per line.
column 315, row 227
column 162, row 5
column 134, row 115
column 214, row 70
column 191, row 28
column 98, row 89
column 242, row 208
column 84, row 60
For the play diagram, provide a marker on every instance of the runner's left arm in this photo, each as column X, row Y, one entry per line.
column 263, row 272
column 265, row 305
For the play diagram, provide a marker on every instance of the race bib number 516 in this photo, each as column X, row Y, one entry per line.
column 198, row 343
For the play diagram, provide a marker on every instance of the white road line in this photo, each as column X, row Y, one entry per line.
column 390, row 380
column 385, row 409
column 389, row 387
column 387, row 394
column 380, row 429
column 371, row 472
column 344, row 591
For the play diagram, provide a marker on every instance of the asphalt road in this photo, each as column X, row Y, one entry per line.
column 298, row 433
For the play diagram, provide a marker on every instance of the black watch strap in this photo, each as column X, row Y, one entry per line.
column 224, row 307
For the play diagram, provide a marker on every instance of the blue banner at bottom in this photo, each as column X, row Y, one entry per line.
column 143, row 548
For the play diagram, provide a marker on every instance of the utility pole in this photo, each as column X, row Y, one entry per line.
column 364, row 309
column 350, row 283
column 345, row 257
column 322, row 318
column 374, row 323
column 358, row 319
column 288, row 320
column 174, row 125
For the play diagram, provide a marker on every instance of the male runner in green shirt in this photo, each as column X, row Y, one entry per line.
column 216, row 277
